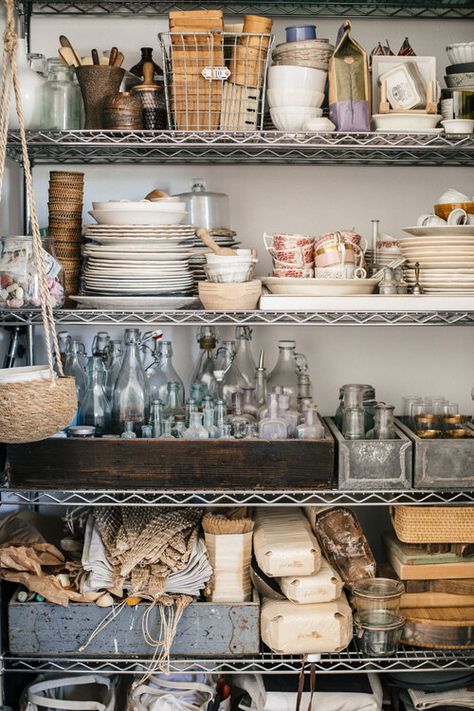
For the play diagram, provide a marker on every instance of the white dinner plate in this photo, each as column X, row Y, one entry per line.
column 319, row 287
column 140, row 241
column 451, row 262
column 441, row 231
column 135, row 302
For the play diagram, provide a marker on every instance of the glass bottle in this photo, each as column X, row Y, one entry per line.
column 178, row 428
column 204, row 369
column 173, row 406
column 147, row 432
column 311, row 428
column 241, row 373
column 131, row 393
column 74, row 367
column 227, row 432
column 64, row 342
column 161, row 372
column 304, row 405
column 191, row 406
column 95, row 409
column 100, row 345
column 114, row 363
column 214, row 432
column 198, row 393
column 128, row 432
column 355, row 395
column 290, row 416
column 61, row 99
column 221, row 415
column 196, row 429
column 285, row 373
column 250, row 405
column 263, row 412
column 251, row 431
column 261, row 381
column 31, row 86
column 225, row 355
column 156, row 417
column 353, row 424
column 273, row 426
column 239, row 419
column 305, row 389
column 384, row 427
column 167, row 429
column 147, row 56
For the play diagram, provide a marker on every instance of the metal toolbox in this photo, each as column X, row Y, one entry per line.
column 441, row 463
column 365, row 464
column 206, row 629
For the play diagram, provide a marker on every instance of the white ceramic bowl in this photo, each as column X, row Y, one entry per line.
column 290, row 77
column 236, row 274
column 138, row 205
column 460, row 52
column 295, row 97
column 244, row 256
column 458, row 125
column 406, row 123
column 292, row 118
column 138, row 217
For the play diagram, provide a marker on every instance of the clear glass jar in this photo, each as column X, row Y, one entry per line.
column 379, row 635
column 384, row 427
column 355, row 395
column 131, row 393
column 19, row 279
column 61, row 105
column 374, row 595
column 353, row 426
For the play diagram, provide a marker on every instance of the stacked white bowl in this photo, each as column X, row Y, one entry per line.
column 138, row 212
column 295, row 94
column 236, row 269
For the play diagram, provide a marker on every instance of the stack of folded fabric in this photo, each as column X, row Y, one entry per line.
column 312, row 614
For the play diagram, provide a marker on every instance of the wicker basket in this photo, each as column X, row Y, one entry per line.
column 309, row 53
column 434, row 524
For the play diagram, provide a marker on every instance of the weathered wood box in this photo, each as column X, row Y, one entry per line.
column 368, row 464
column 206, row 629
column 441, row 463
column 193, row 464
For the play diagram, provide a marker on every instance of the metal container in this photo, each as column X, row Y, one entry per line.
column 222, row 629
column 441, row 463
column 204, row 209
column 369, row 464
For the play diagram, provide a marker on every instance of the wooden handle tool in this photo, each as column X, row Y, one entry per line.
column 95, row 57
column 118, row 60
column 64, row 42
column 209, row 242
column 68, row 56
column 113, row 56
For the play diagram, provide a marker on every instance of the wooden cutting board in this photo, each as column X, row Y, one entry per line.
column 419, row 554
column 436, row 599
column 430, row 571
column 455, row 587
column 439, row 628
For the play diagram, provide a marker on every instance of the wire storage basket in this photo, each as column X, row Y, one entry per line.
column 215, row 80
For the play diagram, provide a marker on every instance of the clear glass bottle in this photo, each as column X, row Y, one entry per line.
column 261, row 381
column 167, row 432
column 178, row 428
column 61, row 106
column 353, row 425
column 384, row 427
column 239, row 419
column 100, row 345
column 64, row 342
column 31, row 85
column 227, row 431
column 290, row 416
column 128, row 432
column 305, row 388
column 250, row 405
column 196, row 430
column 356, row 395
column 147, row 432
column 204, row 369
column 173, row 406
column 131, row 393
column 273, row 426
column 263, row 412
column 225, row 355
column 208, row 414
column 285, row 371
column 312, row 427
column 162, row 371
column 198, row 393
column 251, row 431
column 95, row 409
column 73, row 366
column 221, row 415
column 241, row 373
column 191, row 406
column 156, row 417
column 114, row 363
column 304, row 405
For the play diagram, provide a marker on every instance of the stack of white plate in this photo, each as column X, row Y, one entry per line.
column 223, row 238
column 139, row 261
column 445, row 255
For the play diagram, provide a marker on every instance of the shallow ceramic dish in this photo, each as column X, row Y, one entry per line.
column 460, row 52
column 292, row 77
column 295, row 97
column 140, row 217
column 441, row 231
column 137, row 205
column 293, row 118
column 458, row 125
column 319, row 287
column 460, row 81
column 406, row 123
column 460, row 68
column 139, row 303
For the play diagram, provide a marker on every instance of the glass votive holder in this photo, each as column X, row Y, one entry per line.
column 429, row 434
column 378, row 635
column 375, row 595
column 426, row 422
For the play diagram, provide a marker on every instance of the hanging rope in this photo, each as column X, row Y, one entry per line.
column 9, row 80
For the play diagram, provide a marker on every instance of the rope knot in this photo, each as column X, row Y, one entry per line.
column 10, row 41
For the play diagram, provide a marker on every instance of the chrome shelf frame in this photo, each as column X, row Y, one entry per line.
column 230, row 497
column 197, row 317
column 349, row 661
column 441, row 9
column 266, row 147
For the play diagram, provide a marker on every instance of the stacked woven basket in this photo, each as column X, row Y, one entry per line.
column 308, row 53
column 66, row 196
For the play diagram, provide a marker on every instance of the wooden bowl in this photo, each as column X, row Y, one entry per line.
column 444, row 209
column 229, row 296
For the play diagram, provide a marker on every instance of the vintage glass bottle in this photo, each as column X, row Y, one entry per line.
column 204, row 369
column 95, row 409
column 167, row 432
column 221, row 415
column 250, row 405
column 384, row 427
column 162, row 371
column 208, row 414
column 273, row 426
column 196, row 430
column 285, row 371
column 311, row 428
column 261, row 381
column 114, row 363
column 100, row 345
column 241, row 373
column 131, row 393
column 156, row 417
column 173, row 405
column 64, row 343
column 128, row 432
column 239, row 419
column 73, row 366
column 61, row 108
column 289, row 415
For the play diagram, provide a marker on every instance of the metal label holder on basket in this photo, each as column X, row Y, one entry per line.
column 32, row 409
column 215, row 81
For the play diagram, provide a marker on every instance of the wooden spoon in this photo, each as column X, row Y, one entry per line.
column 209, row 242
column 64, row 42
column 118, row 60
column 113, row 56
column 95, row 57
column 69, row 57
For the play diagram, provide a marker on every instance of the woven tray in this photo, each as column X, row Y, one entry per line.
column 434, row 524
column 439, row 627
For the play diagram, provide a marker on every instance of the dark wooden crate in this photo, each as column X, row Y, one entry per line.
column 193, row 464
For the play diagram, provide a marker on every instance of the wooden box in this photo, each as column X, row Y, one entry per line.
column 206, row 629
column 182, row 464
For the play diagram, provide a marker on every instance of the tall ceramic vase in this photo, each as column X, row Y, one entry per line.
column 97, row 83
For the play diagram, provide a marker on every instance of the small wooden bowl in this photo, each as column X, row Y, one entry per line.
column 229, row 296
column 444, row 209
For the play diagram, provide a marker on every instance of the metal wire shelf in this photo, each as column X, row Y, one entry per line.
column 272, row 147
column 347, row 662
column 446, row 9
column 230, row 497
column 75, row 317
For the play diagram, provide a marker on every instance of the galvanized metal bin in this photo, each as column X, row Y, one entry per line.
column 206, row 629
column 441, row 463
column 369, row 464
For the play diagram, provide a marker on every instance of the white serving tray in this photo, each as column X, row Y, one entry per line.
column 368, row 302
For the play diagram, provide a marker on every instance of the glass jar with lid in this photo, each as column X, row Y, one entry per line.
column 19, row 278
column 61, row 106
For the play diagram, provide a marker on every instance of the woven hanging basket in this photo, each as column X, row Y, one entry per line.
column 434, row 524
column 30, row 410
